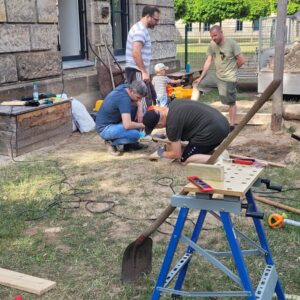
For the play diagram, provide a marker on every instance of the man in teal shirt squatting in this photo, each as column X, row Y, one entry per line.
column 227, row 56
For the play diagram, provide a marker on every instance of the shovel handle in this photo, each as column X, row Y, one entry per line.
column 159, row 220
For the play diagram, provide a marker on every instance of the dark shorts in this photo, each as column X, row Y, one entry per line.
column 227, row 92
column 134, row 74
column 192, row 149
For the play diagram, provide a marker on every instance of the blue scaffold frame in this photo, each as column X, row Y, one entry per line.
column 269, row 283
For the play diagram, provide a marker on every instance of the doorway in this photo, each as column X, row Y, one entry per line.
column 71, row 26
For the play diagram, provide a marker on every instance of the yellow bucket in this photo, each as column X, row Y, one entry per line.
column 98, row 105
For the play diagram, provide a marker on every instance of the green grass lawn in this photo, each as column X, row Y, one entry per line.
column 197, row 52
column 84, row 256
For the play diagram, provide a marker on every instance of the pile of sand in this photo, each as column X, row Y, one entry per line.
column 291, row 59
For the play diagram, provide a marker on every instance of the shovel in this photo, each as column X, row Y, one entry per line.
column 137, row 258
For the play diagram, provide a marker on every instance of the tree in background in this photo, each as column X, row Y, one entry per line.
column 180, row 9
column 293, row 6
column 219, row 10
column 188, row 10
column 214, row 11
column 258, row 8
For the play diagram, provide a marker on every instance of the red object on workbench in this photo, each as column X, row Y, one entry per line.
column 205, row 187
column 243, row 161
column 18, row 297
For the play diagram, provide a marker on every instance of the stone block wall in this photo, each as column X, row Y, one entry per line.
column 28, row 44
column 29, row 38
column 163, row 36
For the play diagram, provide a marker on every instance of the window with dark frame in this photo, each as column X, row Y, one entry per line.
column 206, row 26
column 255, row 25
column 119, row 22
column 239, row 25
column 189, row 27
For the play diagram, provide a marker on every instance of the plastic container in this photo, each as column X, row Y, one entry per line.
column 182, row 93
column 35, row 93
column 188, row 68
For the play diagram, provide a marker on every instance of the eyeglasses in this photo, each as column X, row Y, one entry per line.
column 155, row 19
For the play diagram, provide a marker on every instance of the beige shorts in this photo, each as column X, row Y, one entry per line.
column 227, row 92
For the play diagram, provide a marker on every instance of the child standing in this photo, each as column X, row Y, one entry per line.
column 160, row 81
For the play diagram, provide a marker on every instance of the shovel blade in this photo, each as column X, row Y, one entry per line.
column 137, row 260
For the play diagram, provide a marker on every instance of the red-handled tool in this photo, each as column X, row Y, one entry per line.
column 243, row 161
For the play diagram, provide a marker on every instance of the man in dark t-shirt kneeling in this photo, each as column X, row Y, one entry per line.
column 202, row 126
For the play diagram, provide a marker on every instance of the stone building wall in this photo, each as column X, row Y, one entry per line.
column 29, row 46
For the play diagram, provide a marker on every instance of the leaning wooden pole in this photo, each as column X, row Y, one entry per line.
column 254, row 109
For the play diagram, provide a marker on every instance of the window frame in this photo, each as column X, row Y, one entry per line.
column 124, row 12
column 206, row 26
column 239, row 26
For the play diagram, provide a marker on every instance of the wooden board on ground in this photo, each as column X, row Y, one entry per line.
column 257, row 119
column 238, row 179
column 206, row 172
column 25, row 282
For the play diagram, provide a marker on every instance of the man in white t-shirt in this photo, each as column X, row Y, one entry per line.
column 138, row 52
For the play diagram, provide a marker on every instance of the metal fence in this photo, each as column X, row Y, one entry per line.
column 198, row 39
column 267, row 36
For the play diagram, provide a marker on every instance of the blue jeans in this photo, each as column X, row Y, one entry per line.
column 162, row 101
column 118, row 135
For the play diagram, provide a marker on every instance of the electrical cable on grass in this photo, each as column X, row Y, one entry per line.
column 59, row 200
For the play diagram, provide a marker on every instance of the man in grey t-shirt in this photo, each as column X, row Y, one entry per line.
column 227, row 56
column 201, row 125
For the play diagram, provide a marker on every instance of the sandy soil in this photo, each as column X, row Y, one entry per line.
column 257, row 141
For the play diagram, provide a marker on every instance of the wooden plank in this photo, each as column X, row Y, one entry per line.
column 25, row 282
column 64, row 129
column 206, row 172
column 7, row 123
column 17, row 110
column 14, row 103
column 48, row 114
column 257, row 119
column 43, row 143
column 24, row 133
column 238, row 179
column 276, row 204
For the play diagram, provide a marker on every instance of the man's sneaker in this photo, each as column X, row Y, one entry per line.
column 111, row 149
column 146, row 138
column 134, row 147
column 159, row 135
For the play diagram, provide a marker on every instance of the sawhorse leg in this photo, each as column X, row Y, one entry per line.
column 170, row 251
column 264, row 243
column 237, row 254
column 194, row 238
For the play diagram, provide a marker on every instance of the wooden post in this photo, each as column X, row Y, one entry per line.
column 277, row 107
